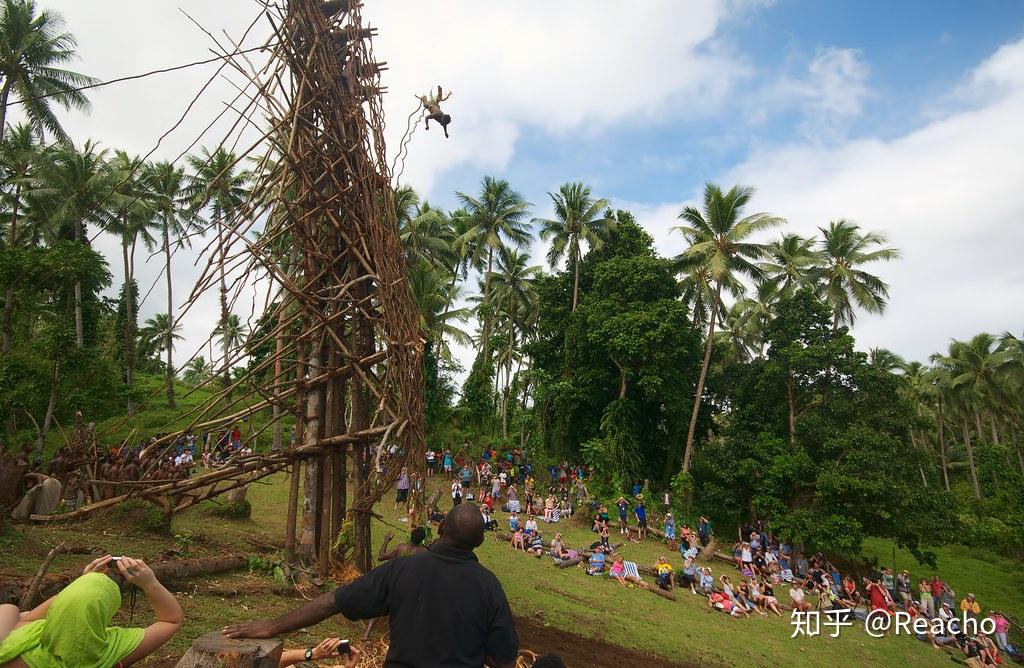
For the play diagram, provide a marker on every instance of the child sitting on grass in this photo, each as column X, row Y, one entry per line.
column 596, row 563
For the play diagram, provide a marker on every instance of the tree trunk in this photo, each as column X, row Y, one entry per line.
column 575, row 283
column 791, row 401
column 50, row 405
column 214, row 650
column 293, row 503
column 977, row 423
column 79, row 328
column 1016, row 444
column 129, row 335
column 688, row 453
column 970, row 459
column 169, row 343
column 995, row 432
column 310, row 502
column 224, row 309
column 485, row 344
column 12, row 242
column 942, row 448
column 5, row 94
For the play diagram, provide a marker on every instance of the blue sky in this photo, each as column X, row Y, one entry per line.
column 904, row 117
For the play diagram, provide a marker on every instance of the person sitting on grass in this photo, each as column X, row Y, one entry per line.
column 536, row 547
column 596, row 564
column 768, row 597
column 796, row 595
column 689, row 577
column 605, row 538
column 666, row 577
column 489, row 524
column 513, row 522
column 72, row 628
column 727, row 589
column 558, row 550
column 970, row 606
column 519, row 540
column 414, row 546
column 706, row 583
column 531, row 526
column 618, row 570
column 719, row 601
column 325, row 650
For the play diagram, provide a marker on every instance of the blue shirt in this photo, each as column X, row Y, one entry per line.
column 641, row 512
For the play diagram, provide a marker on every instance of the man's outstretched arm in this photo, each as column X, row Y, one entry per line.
column 311, row 613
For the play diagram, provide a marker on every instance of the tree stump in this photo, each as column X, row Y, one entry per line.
column 213, row 650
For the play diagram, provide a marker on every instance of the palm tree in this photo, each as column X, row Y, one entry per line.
column 578, row 218
column 718, row 242
column 197, row 371
column 19, row 153
column 434, row 294
column 515, row 295
column 159, row 332
column 844, row 250
column 32, row 44
column 886, row 360
column 975, row 370
column 498, row 215
column 751, row 315
column 172, row 207
column 790, row 264
column 131, row 219
column 73, row 188
column 231, row 334
column 427, row 233
column 219, row 184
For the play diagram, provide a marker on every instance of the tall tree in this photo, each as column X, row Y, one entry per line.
column 19, row 153
column 844, row 251
column 219, row 184
column 176, row 219
column 578, row 218
column 73, row 188
column 516, row 298
column 231, row 333
column 499, row 215
column 33, row 45
column 131, row 219
column 719, row 241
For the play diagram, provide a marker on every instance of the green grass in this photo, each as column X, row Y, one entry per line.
column 683, row 630
column 154, row 415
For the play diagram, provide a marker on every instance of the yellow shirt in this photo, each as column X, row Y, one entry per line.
column 663, row 568
column 970, row 606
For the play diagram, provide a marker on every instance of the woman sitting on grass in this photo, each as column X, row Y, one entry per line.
column 596, row 564
column 536, row 544
column 558, row 549
column 618, row 570
column 72, row 628
column 688, row 577
column 519, row 540
column 719, row 601
column 796, row 595
column 768, row 597
column 549, row 507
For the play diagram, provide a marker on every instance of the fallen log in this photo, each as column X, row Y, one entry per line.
column 213, row 650
column 654, row 589
column 566, row 563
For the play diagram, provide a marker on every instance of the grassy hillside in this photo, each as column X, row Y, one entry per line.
column 684, row 630
column 154, row 415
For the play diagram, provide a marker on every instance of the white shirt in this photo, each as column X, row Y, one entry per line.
column 456, row 489
column 531, row 525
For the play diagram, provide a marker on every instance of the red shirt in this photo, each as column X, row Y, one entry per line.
column 936, row 588
column 877, row 597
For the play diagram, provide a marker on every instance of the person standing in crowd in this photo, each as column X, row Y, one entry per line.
column 640, row 510
column 471, row 622
column 456, row 493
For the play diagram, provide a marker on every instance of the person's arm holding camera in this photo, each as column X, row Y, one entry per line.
column 39, row 612
column 165, row 607
column 324, row 650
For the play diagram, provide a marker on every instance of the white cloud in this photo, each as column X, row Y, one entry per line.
column 576, row 66
column 948, row 194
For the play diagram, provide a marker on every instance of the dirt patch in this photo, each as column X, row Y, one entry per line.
column 577, row 651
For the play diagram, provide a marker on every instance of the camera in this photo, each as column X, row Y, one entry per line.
column 112, row 564
column 344, row 648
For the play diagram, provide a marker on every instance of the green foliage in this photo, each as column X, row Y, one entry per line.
column 477, row 392
column 836, row 470
column 142, row 517
column 614, row 376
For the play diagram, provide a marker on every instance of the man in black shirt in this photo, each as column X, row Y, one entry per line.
column 445, row 609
